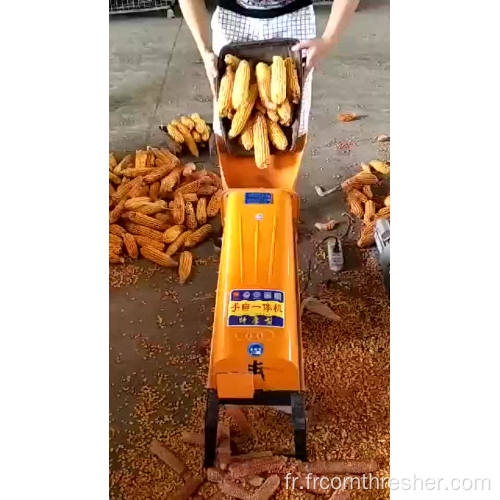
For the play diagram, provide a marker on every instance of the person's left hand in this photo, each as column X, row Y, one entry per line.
column 317, row 49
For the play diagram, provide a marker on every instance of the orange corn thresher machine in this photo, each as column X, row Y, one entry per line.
column 256, row 352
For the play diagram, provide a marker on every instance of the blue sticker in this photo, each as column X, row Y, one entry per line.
column 258, row 198
column 255, row 349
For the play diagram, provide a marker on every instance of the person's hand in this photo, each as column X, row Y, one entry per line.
column 210, row 63
column 317, row 49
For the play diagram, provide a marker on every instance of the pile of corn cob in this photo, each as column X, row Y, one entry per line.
column 363, row 204
column 258, row 101
column 189, row 130
column 156, row 202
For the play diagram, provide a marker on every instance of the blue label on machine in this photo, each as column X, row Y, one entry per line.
column 258, row 198
column 255, row 349
column 256, row 308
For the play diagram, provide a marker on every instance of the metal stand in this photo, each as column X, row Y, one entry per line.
column 261, row 398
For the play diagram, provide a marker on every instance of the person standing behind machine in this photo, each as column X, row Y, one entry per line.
column 257, row 20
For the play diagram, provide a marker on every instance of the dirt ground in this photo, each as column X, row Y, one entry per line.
column 158, row 329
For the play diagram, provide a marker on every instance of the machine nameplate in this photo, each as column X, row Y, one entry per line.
column 256, row 308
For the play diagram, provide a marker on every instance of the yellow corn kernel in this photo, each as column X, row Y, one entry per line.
column 241, row 84
column 278, row 80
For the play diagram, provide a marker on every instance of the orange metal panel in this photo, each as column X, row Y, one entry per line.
column 258, row 255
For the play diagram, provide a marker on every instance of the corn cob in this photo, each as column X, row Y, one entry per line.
column 243, row 113
column 231, row 61
column 252, row 467
column 115, row 240
column 178, row 243
column 292, row 81
column 247, row 135
column 135, row 203
column 278, row 80
column 200, row 123
column 198, row 236
column 365, row 167
column 273, row 115
column 179, row 209
column 117, row 230
column 366, row 178
column 206, row 134
column 367, row 191
column 383, row 213
column 172, row 233
column 160, row 258
column 354, row 193
column 285, row 113
column 123, row 189
column 266, row 491
column 144, row 241
column 140, row 190
column 188, row 138
column 185, row 264
column 357, row 181
column 201, row 211
column 154, row 189
column 387, row 201
column 165, row 157
column 153, row 208
column 192, row 197
column 260, row 107
column 206, row 190
column 233, row 490
column 130, row 245
column 174, row 133
column 114, row 178
column 115, row 248
column 112, row 161
column 191, row 222
column 369, row 211
column 241, row 84
column 355, row 207
column 193, row 186
column 367, row 237
column 112, row 189
column 116, row 213
column 380, row 166
column 127, row 160
column 261, row 142
column 224, row 102
column 168, row 182
column 214, row 475
column 164, row 217
column 196, row 136
column 158, row 173
column 144, row 220
column 114, row 258
column 216, row 180
column 263, row 77
column 139, row 230
column 277, row 136
column 188, row 122
column 136, row 171
column 141, row 159
column 215, row 203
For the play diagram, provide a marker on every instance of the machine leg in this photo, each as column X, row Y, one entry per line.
column 211, row 419
column 299, row 426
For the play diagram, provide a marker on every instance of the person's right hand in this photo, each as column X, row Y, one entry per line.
column 210, row 62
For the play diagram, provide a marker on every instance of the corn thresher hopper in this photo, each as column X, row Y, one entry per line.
column 256, row 352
